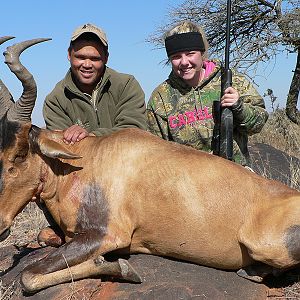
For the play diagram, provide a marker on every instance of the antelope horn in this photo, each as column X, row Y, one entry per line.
column 22, row 109
column 6, row 99
column 3, row 39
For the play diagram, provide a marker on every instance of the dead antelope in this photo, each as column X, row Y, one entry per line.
column 132, row 192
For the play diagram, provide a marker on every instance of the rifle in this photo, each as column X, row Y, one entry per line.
column 222, row 141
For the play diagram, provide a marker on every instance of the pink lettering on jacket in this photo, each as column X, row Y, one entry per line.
column 190, row 117
column 181, row 120
column 206, row 113
column 200, row 115
column 172, row 123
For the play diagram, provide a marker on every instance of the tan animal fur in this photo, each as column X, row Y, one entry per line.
column 132, row 192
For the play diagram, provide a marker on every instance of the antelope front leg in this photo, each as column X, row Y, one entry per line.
column 81, row 255
column 92, row 267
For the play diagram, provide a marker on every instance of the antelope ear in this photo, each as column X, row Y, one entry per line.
column 15, row 137
column 53, row 149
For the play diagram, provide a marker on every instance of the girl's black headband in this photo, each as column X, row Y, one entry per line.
column 187, row 41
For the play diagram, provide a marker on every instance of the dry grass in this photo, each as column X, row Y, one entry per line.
column 282, row 134
column 295, row 176
column 292, row 292
column 24, row 230
column 7, row 293
column 279, row 132
column 26, row 226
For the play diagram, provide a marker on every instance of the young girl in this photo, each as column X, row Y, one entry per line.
column 180, row 108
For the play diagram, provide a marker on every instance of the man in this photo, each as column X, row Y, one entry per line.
column 93, row 99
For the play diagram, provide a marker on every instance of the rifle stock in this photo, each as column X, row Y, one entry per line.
column 226, row 126
column 222, row 142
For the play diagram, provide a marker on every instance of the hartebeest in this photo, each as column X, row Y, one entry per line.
column 136, row 193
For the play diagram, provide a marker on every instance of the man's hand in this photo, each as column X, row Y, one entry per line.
column 74, row 134
column 230, row 97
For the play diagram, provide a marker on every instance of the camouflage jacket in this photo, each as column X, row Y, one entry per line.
column 183, row 114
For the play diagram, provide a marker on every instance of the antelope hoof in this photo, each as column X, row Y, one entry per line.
column 128, row 272
column 256, row 272
column 255, row 278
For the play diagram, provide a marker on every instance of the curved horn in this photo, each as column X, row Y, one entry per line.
column 22, row 109
column 3, row 39
column 6, row 99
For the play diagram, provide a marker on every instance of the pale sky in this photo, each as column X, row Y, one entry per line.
column 127, row 25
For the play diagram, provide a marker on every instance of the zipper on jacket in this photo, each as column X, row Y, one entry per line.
column 93, row 100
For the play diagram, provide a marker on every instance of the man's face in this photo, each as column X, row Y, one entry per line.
column 188, row 66
column 87, row 59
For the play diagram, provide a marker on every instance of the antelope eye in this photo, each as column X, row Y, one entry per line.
column 19, row 159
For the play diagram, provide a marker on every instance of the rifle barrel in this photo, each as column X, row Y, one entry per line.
column 228, row 28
